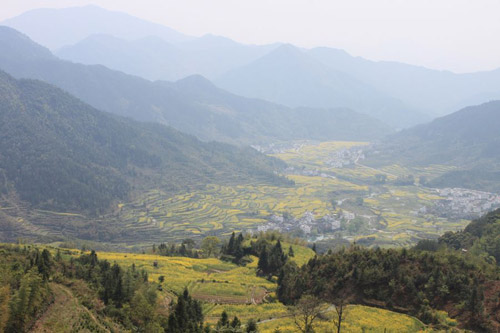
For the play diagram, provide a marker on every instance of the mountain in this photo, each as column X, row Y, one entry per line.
column 59, row 153
column 212, row 56
column 383, row 89
column 154, row 59
column 193, row 105
column 433, row 91
column 149, row 57
column 55, row 28
column 289, row 76
column 467, row 139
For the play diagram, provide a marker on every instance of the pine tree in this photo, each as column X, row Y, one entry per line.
column 235, row 323
column 251, row 327
column 230, row 245
column 224, row 320
column 263, row 264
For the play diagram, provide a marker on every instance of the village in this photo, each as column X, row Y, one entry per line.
column 459, row 203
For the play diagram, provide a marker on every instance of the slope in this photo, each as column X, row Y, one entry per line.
column 194, row 106
column 288, row 75
column 468, row 139
column 58, row 153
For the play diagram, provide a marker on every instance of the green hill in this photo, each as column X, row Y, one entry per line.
column 57, row 152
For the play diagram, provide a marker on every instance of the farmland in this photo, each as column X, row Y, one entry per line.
column 358, row 319
column 329, row 181
column 332, row 188
column 223, row 286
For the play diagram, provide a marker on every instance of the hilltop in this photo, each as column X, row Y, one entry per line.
column 290, row 76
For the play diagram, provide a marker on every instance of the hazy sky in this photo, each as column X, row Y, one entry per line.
column 459, row 35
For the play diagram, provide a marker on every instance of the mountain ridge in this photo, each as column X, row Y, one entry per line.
column 289, row 76
column 59, row 153
column 210, row 115
column 70, row 25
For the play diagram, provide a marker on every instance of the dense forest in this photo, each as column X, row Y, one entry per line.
column 481, row 238
column 457, row 273
column 59, row 153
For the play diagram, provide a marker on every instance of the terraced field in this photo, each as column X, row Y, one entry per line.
column 226, row 287
column 225, row 209
column 391, row 214
column 358, row 319
column 390, row 211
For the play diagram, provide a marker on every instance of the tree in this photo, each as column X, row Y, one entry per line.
column 223, row 321
column 263, row 264
column 340, row 312
column 230, row 245
column 305, row 312
column 251, row 327
column 4, row 306
column 236, row 323
column 210, row 245
column 290, row 252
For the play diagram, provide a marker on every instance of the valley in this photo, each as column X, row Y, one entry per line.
column 334, row 199
column 296, row 178
column 348, row 202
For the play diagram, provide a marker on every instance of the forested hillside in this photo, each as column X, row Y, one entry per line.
column 194, row 106
column 467, row 139
column 481, row 237
column 418, row 282
column 58, row 153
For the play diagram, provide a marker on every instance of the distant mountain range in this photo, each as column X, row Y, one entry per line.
column 55, row 28
column 59, row 153
column 289, row 76
column 435, row 92
column 397, row 93
column 468, row 139
column 154, row 59
column 193, row 105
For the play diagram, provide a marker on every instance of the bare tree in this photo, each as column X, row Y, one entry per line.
column 340, row 302
column 305, row 312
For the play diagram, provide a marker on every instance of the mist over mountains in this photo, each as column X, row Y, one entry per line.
column 277, row 183
column 55, row 28
column 193, row 105
column 221, row 90
column 396, row 93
